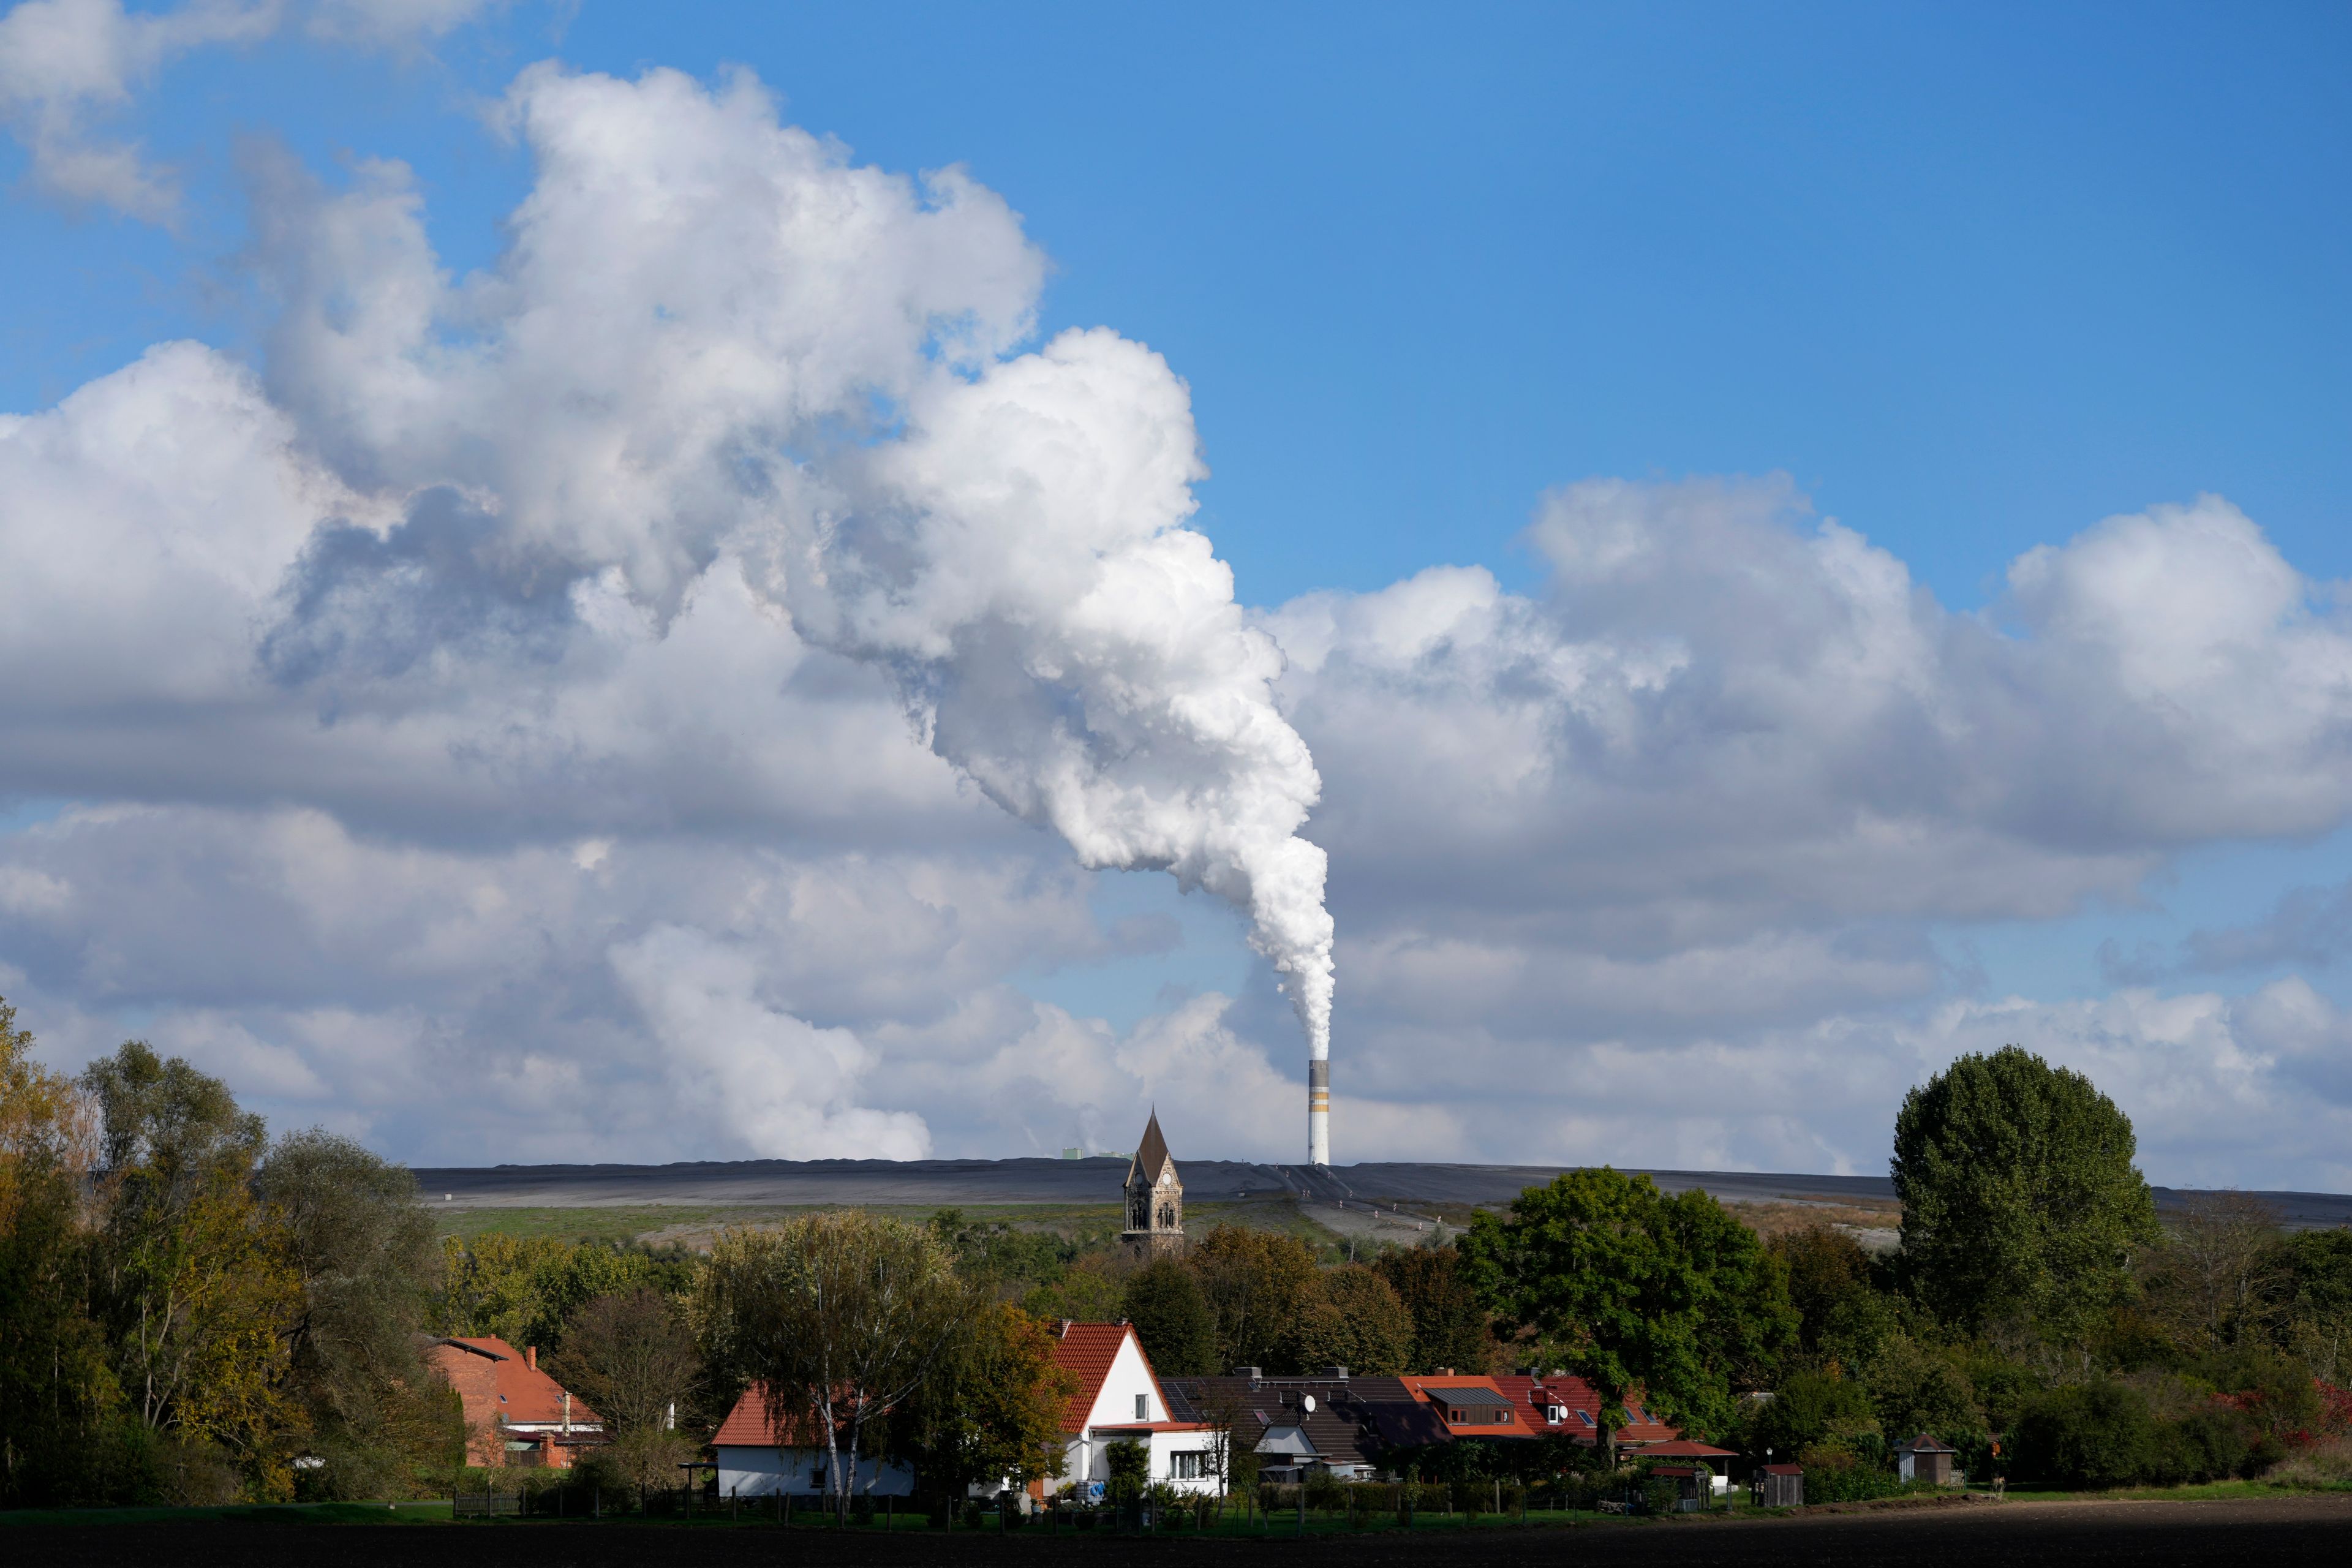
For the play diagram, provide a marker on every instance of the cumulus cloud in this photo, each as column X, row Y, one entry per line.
column 626, row 682
column 1730, row 772
column 771, row 1081
column 706, row 324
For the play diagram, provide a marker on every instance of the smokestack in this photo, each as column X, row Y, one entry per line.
column 1318, row 1110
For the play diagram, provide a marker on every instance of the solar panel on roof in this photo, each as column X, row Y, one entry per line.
column 1483, row 1398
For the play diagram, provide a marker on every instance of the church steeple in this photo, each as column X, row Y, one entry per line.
column 1155, row 1196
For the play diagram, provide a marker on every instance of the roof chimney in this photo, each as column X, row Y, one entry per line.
column 1336, row 1373
column 531, row 1357
column 1248, row 1372
column 1062, row 1329
column 1445, row 1372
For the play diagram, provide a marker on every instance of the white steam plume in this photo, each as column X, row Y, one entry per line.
column 1020, row 563
column 715, row 338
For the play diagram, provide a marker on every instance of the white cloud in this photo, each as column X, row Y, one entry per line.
column 618, row 682
column 66, row 67
column 774, row 1084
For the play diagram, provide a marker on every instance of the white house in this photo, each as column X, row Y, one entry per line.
column 754, row 1462
column 1120, row 1400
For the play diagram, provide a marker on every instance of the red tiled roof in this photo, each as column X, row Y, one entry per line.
column 1430, row 1390
column 1534, row 1394
column 1684, row 1448
column 1086, row 1351
column 748, row 1425
column 526, row 1395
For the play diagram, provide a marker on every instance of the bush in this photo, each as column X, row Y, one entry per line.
column 2206, row 1445
column 2095, row 1434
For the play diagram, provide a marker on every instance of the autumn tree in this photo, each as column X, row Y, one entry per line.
column 1172, row 1318
column 361, row 1246
column 1630, row 1288
column 1351, row 1318
column 992, row 1410
column 839, row 1316
column 1085, row 1292
column 193, row 1279
column 55, row 1384
column 1449, row 1322
column 1256, row 1282
column 2020, row 1196
column 525, row 1289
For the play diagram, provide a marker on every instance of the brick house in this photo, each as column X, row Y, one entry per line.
column 515, row 1414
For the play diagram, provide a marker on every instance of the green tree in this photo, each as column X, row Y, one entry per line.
column 1085, row 1293
column 2319, row 1313
column 2087, row 1435
column 2019, row 1197
column 57, row 1386
column 631, row 1357
column 360, row 1246
column 1172, row 1318
column 1632, row 1289
column 1001, row 1257
column 1352, row 1319
column 1256, row 1283
column 1807, row 1408
column 839, row 1316
column 1916, row 1387
column 1449, row 1322
column 1128, row 1463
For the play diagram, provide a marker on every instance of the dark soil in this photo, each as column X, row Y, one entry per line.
column 2286, row 1529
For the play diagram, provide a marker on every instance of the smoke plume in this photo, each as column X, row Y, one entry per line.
column 715, row 340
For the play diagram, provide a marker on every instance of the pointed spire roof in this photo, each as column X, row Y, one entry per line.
column 1151, row 1155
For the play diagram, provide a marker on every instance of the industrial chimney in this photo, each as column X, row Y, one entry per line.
column 1319, row 1105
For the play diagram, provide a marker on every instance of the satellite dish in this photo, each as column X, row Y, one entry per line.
column 1306, row 1403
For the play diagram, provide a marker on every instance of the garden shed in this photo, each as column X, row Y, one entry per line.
column 1923, row 1459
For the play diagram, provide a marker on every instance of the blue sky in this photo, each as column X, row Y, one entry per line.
column 1974, row 278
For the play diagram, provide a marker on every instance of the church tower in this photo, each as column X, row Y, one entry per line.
column 1155, row 1199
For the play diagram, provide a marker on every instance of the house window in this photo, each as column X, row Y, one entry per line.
column 1143, row 1407
column 1189, row 1465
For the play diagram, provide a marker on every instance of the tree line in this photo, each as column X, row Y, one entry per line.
column 191, row 1311
column 2036, row 1317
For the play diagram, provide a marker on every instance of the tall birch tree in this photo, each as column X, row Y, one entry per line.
column 838, row 1317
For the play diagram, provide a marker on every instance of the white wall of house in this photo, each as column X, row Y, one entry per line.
column 1130, row 1393
column 1129, row 1396
column 765, row 1472
column 1171, row 1453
